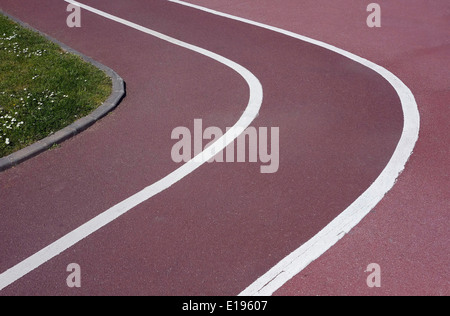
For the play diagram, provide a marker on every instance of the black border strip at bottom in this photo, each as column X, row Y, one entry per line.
column 118, row 93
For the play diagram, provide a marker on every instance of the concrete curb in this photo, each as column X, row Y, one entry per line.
column 118, row 93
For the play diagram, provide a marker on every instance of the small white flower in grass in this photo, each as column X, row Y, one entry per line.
column 7, row 141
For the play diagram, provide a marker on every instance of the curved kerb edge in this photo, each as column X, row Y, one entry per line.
column 255, row 101
column 118, row 93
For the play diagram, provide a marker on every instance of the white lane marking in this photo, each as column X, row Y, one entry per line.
column 294, row 263
column 67, row 241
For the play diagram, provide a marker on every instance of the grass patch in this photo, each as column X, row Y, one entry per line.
column 42, row 88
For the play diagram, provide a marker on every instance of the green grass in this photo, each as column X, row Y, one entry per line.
column 42, row 88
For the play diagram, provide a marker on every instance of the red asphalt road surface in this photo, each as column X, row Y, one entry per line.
column 407, row 234
column 220, row 228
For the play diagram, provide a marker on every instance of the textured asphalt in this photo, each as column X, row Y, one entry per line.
column 223, row 226
column 407, row 234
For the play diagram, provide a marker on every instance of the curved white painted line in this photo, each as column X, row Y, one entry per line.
column 334, row 231
column 256, row 96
